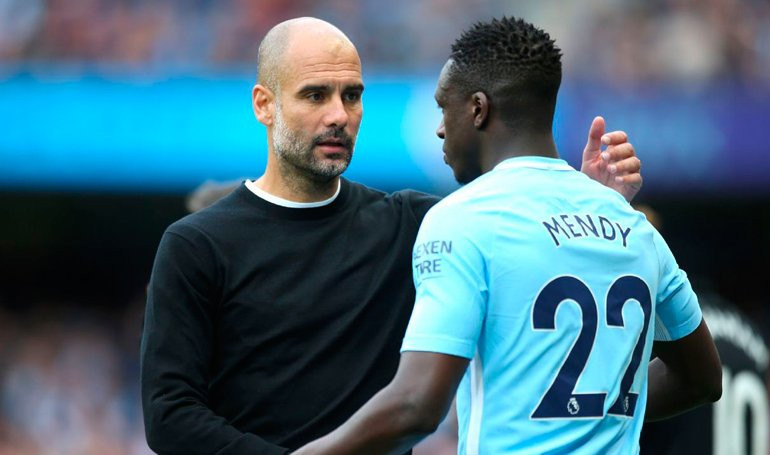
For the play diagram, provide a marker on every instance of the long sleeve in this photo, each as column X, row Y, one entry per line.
column 176, row 354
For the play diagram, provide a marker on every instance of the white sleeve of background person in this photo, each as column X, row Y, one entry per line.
column 449, row 275
column 677, row 311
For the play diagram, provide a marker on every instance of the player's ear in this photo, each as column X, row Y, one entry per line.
column 263, row 104
column 480, row 106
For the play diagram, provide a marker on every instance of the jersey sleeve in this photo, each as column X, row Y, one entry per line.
column 678, row 313
column 450, row 278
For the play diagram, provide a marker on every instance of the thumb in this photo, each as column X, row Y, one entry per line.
column 595, row 133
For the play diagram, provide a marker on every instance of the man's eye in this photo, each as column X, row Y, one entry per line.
column 352, row 96
column 315, row 96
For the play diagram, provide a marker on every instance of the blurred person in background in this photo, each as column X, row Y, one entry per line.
column 739, row 424
column 493, row 264
column 273, row 314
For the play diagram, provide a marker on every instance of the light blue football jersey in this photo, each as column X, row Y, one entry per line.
column 555, row 288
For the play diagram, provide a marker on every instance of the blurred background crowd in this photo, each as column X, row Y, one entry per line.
column 623, row 41
column 69, row 360
column 68, row 382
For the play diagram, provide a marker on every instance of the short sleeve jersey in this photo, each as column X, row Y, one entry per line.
column 555, row 288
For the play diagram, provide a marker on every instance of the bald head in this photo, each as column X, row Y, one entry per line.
column 276, row 47
column 308, row 96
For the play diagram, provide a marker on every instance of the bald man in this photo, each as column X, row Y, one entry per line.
column 275, row 313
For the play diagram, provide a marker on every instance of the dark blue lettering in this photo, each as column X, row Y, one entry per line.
column 623, row 233
column 590, row 226
column 428, row 266
column 605, row 234
column 423, row 267
column 446, row 247
column 432, row 247
column 570, row 226
column 555, row 229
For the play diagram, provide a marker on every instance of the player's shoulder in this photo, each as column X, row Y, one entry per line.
column 460, row 199
column 466, row 207
column 485, row 193
column 603, row 194
column 469, row 194
column 587, row 192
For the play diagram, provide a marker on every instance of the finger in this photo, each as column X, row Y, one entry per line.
column 595, row 132
column 618, row 152
column 629, row 179
column 628, row 166
column 614, row 138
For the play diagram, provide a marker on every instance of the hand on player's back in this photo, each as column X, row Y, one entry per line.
column 617, row 166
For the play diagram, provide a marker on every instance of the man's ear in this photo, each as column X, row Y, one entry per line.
column 263, row 104
column 480, row 105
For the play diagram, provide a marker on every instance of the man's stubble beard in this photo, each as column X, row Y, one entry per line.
column 296, row 157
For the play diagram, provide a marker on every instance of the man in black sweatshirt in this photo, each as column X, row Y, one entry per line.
column 275, row 313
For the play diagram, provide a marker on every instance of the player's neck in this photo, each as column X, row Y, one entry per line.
column 503, row 146
column 292, row 186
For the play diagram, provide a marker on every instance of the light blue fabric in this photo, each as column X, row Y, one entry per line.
column 535, row 230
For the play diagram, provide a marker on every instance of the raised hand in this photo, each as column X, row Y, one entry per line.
column 617, row 165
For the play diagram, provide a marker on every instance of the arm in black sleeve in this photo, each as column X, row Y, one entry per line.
column 418, row 203
column 176, row 354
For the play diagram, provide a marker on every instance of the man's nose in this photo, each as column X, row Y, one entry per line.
column 336, row 114
column 440, row 131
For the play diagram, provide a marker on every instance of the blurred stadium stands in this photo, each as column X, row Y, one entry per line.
column 141, row 96
column 624, row 42
column 111, row 110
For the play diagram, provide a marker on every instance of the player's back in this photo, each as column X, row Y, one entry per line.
column 569, row 278
column 565, row 238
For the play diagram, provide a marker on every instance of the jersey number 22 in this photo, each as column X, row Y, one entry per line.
column 560, row 400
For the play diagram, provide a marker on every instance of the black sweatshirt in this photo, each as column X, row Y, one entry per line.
column 267, row 327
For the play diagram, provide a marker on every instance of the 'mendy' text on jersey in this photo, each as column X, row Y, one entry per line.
column 566, row 227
